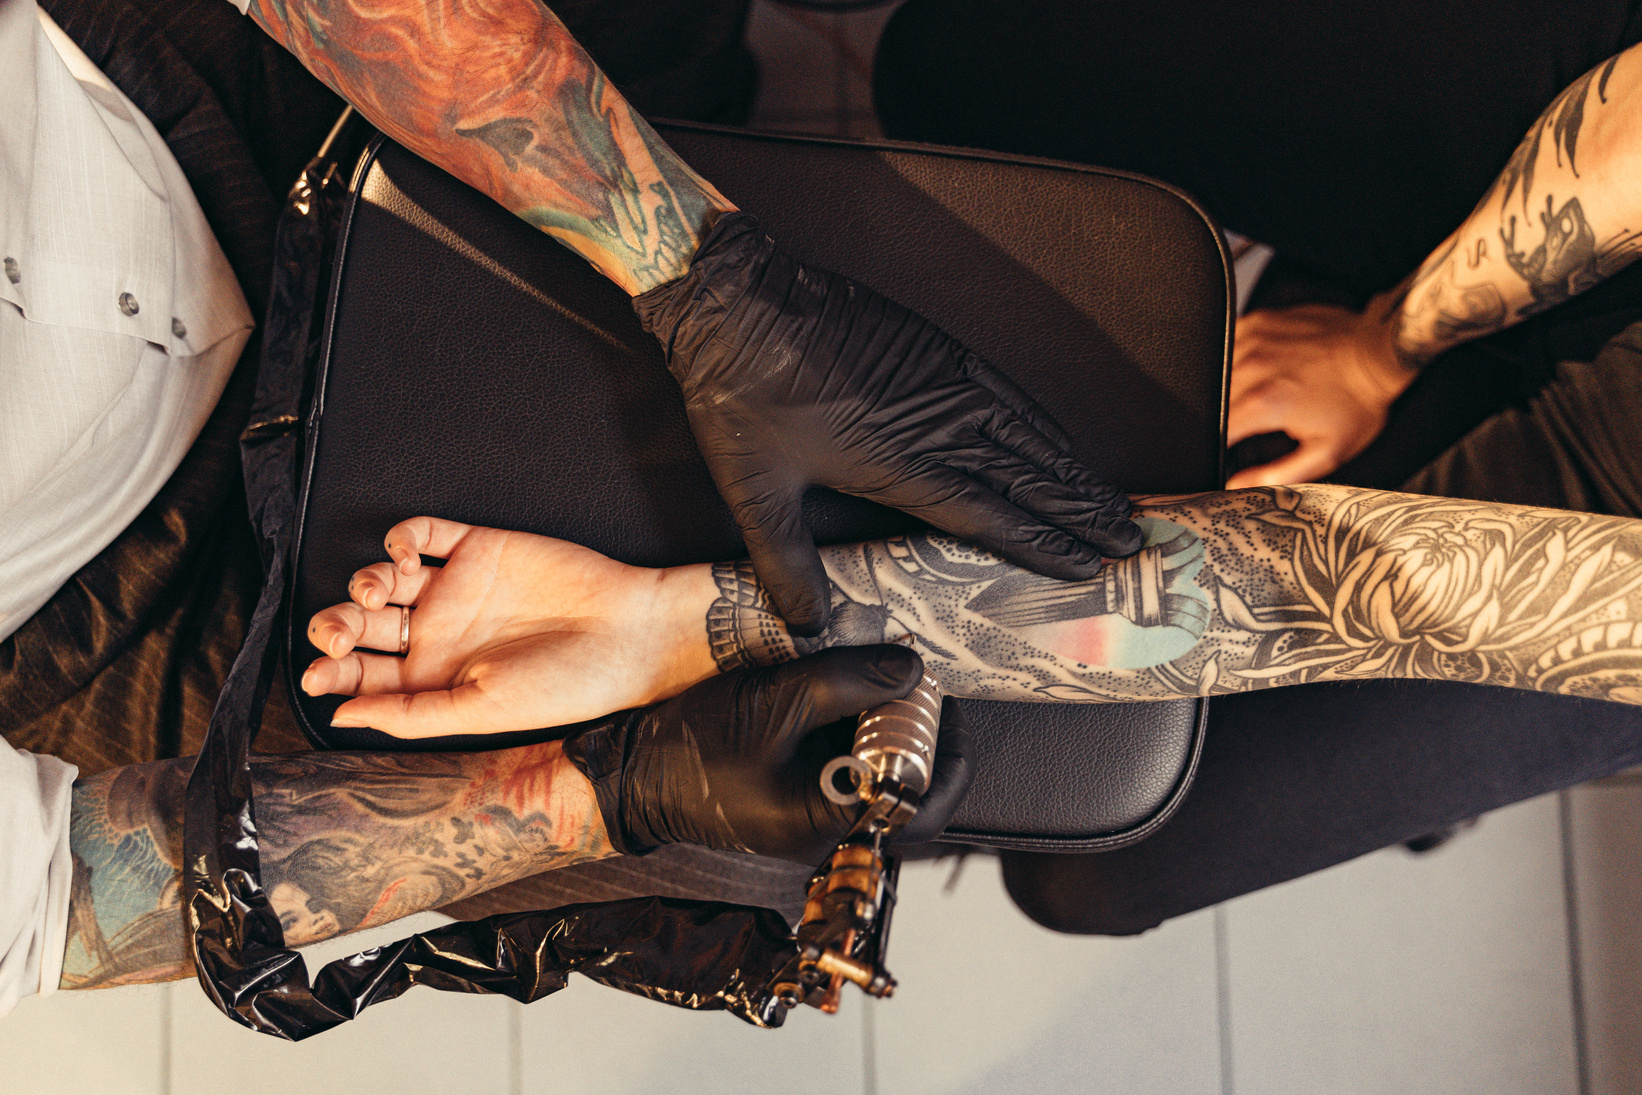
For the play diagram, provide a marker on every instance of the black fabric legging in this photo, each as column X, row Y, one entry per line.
column 1353, row 138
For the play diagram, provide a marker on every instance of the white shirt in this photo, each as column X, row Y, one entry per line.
column 35, row 870
column 120, row 318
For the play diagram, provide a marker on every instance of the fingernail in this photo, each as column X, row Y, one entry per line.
column 898, row 661
column 308, row 683
column 345, row 720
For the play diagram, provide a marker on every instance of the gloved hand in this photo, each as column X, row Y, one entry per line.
column 795, row 377
column 735, row 762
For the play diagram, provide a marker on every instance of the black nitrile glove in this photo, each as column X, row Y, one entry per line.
column 795, row 377
column 735, row 762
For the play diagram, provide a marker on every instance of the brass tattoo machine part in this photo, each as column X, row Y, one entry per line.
column 845, row 929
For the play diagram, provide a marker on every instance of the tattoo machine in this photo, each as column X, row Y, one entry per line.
column 845, row 929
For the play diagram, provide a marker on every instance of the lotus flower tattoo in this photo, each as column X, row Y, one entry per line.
column 1399, row 586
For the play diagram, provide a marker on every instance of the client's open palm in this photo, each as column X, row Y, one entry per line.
column 513, row 632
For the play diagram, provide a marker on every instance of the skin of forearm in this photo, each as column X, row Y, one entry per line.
column 1564, row 214
column 500, row 95
column 347, row 840
column 1242, row 590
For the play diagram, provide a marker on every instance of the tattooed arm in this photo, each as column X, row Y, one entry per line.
column 349, row 840
column 1241, row 590
column 500, row 95
column 1564, row 214
column 1234, row 591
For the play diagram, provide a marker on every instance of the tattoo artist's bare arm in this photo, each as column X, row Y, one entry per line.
column 500, row 95
column 1241, row 590
column 1564, row 214
column 349, row 840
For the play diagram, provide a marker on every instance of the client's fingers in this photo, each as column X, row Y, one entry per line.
column 340, row 628
column 382, row 584
column 464, row 710
column 409, row 540
column 354, row 674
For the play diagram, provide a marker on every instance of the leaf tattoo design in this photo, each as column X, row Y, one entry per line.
column 1562, row 121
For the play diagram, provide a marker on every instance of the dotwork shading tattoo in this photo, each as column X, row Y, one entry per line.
column 1401, row 586
column 984, row 627
column 1242, row 590
column 743, row 629
column 348, row 841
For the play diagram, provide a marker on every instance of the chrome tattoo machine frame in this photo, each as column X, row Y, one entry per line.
column 845, row 929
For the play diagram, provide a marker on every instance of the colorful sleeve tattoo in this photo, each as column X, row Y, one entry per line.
column 499, row 94
column 349, row 840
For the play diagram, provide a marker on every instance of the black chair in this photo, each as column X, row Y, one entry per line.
column 473, row 370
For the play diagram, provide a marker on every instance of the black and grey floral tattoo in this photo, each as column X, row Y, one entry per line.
column 1243, row 590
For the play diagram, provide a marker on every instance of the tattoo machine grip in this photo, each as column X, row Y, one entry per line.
column 895, row 741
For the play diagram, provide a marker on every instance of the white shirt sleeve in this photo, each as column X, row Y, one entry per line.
column 36, row 868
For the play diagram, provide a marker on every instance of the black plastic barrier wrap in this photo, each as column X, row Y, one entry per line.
column 699, row 955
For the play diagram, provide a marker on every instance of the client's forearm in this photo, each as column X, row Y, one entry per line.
column 1242, row 590
column 348, row 840
column 501, row 96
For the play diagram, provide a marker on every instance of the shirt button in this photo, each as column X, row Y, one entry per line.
column 13, row 273
column 177, row 328
column 128, row 304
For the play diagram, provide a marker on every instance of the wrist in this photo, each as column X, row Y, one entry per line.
column 673, row 623
column 1394, row 356
column 726, row 263
column 577, row 799
column 596, row 760
column 542, row 780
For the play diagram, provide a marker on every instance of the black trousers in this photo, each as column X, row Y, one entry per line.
column 1353, row 138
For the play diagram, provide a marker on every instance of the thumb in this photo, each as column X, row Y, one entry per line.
column 784, row 557
column 438, row 714
column 954, row 772
column 1306, row 464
